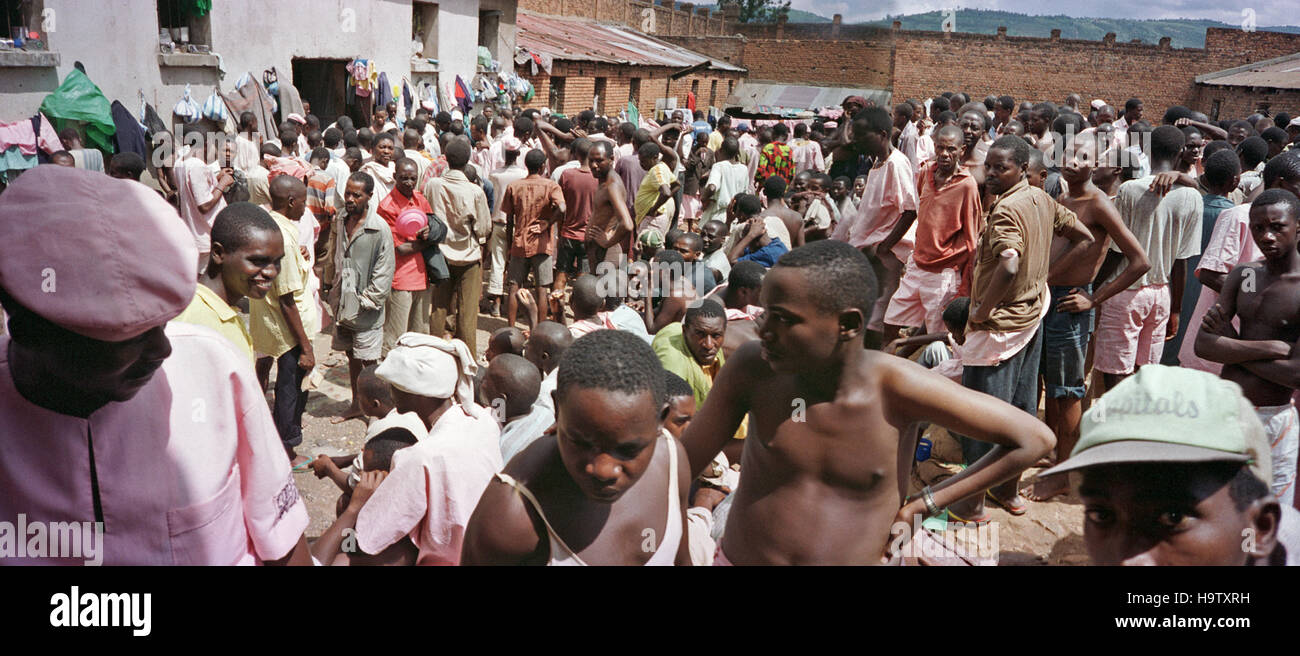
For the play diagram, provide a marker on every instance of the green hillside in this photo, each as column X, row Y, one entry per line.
column 1184, row 32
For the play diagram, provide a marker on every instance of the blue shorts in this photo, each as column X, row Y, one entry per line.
column 1065, row 347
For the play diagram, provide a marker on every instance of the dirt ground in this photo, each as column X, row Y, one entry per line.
column 1051, row 533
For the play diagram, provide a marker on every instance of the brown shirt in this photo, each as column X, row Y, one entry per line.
column 526, row 205
column 1022, row 219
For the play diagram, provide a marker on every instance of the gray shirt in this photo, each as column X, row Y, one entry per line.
column 365, row 262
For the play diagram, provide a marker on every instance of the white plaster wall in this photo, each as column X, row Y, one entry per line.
column 117, row 42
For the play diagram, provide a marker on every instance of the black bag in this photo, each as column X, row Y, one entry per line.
column 435, row 264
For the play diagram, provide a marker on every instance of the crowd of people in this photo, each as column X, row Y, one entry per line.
column 773, row 319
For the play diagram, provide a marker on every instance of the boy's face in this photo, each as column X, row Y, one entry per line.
column 1082, row 157
column 250, row 269
column 683, row 246
column 704, row 336
column 839, row 190
column 801, row 182
column 958, row 332
column 606, row 439
column 681, row 410
column 796, row 334
column 1171, row 514
column 860, row 184
column 1273, row 228
column 648, row 163
column 384, row 151
column 1236, row 135
column 371, row 406
column 814, row 185
column 1036, row 175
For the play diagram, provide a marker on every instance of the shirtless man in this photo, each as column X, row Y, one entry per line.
column 824, row 471
column 774, row 192
column 572, row 497
column 740, row 299
column 1265, row 296
column 1067, row 328
column 975, row 146
column 610, row 221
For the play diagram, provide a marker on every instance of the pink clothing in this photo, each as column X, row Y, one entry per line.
column 196, row 185
column 586, row 326
column 807, row 156
column 987, row 349
column 21, row 134
column 433, row 487
column 1131, row 329
column 720, row 559
column 921, row 297
column 190, row 471
column 1230, row 245
column 890, row 191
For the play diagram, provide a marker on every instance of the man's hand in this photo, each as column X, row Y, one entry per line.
column 307, row 361
column 321, row 465
column 1172, row 330
column 1163, row 182
column 1216, row 322
column 979, row 312
column 225, row 181
column 1076, row 301
column 306, row 254
column 892, row 347
column 365, row 488
column 755, row 229
column 708, row 497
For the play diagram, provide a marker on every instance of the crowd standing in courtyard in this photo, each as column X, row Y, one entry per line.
column 726, row 341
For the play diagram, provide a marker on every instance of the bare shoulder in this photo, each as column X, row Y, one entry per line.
column 501, row 529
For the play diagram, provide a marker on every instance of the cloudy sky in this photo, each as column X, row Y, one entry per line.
column 1267, row 12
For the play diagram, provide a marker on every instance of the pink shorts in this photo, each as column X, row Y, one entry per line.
column 1131, row 329
column 921, row 297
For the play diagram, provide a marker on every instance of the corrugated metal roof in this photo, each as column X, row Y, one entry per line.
column 1278, row 73
column 578, row 39
column 774, row 98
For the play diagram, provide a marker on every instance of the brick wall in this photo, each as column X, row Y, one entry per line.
column 848, row 63
column 730, row 49
column 1238, row 102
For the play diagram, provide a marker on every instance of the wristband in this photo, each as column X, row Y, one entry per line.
column 930, row 506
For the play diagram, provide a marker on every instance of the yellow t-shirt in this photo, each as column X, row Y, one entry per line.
column 211, row 311
column 267, row 325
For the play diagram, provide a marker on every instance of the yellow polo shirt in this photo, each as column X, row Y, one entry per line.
column 211, row 311
column 267, row 325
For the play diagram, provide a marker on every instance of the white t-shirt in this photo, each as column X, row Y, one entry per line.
column 1167, row 227
column 729, row 178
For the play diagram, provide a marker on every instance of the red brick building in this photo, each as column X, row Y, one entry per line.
column 603, row 66
column 1269, row 86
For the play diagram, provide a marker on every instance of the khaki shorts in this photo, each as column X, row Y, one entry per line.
column 366, row 345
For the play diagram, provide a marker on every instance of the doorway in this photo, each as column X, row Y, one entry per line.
column 322, row 83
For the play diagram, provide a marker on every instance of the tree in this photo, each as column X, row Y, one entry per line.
column 762, row 11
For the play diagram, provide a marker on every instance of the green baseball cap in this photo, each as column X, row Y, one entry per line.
column 651, row 239
column 1171, row 414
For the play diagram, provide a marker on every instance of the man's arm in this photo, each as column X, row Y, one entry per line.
column 330, row 542
column 1212, row 279
column 289, row 309
column 622, row 225
column 554, row 154
column 299, row 556
column 1113, row 226
column 905, row 221
column 380, row 285
column 1003, row 275
column 500, row 532
column 1216, row 340
column 726, row 406
column 1177, row 281
column 913, row 394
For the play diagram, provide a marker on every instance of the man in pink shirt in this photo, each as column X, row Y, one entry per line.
column 153, row 437
column 890, row 194
column 434, row 485
column 199, row 191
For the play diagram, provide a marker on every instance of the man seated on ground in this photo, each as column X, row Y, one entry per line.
column 564, row 500
column 825, row 473
column 1165, row 485
column 434, row 485
column 546, row 345
column 509, row 388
